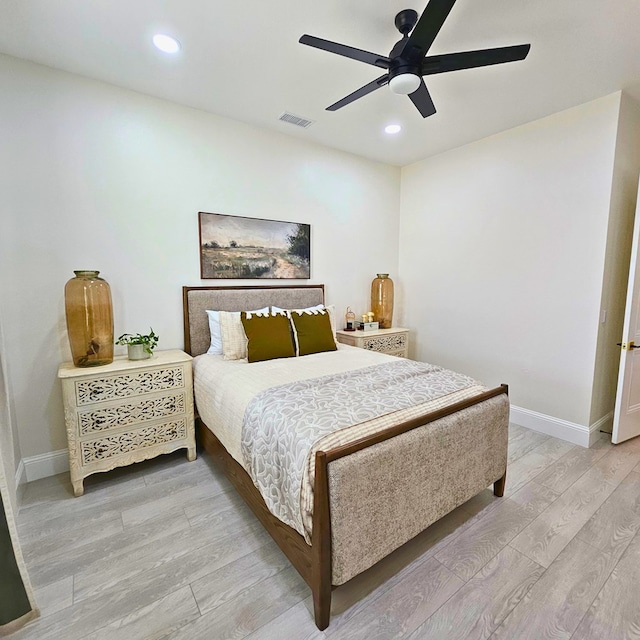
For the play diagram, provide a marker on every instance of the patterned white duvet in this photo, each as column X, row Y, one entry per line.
column 224, row 388
column 272, row 416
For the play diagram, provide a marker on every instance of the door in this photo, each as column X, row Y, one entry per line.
column 626, row 415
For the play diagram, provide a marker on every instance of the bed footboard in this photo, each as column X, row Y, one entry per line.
column 401, row 483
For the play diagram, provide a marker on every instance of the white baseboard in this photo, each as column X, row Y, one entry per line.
column 55, row 462
column 572, row 432
column 21, row 481
column 21, row 474
column 43, row 466
column 602, row 427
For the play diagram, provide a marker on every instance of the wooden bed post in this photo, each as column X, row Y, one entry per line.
column 498, row 486
column 321, row 545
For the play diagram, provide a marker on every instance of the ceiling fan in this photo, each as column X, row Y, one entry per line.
column 408, row 61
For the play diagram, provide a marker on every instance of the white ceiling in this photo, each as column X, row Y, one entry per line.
column 242, row 60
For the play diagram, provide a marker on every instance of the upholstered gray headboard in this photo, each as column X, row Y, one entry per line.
column 196, row 300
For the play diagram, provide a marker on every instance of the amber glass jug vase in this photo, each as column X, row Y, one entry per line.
column 382, row 300
column 87, row 301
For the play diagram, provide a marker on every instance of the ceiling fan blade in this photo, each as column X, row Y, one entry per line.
column 422, row 100
column 427, row 28
column 349, row 52
column 471, row 59
column 361, row 92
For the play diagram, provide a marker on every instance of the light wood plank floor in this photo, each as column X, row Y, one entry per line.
column 166, row 549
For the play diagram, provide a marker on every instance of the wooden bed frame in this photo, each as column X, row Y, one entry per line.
column 313, row 562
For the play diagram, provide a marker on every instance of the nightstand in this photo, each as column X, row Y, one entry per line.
column 127, row 411
column 394, row 341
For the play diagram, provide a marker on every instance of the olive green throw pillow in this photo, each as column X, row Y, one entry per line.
column 313, row 332
column 269, row 336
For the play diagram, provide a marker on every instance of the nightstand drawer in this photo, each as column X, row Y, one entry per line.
column 394, row 342
column 128, row 442
column 105, row 418
column 127, row 385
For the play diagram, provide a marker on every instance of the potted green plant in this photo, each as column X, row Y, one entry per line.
column 139, row 346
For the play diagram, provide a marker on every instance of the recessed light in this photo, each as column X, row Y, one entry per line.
column 166, row 43
column 393, row 128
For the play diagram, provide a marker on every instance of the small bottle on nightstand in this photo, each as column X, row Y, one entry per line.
column 350, row 320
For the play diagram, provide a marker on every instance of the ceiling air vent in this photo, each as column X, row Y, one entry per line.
column 297, row 120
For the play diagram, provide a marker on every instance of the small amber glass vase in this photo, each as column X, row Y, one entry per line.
column 382, row 300
column 89, row 311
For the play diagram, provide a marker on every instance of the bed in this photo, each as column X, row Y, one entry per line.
column 372, row 492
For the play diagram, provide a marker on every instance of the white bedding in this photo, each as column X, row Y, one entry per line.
column 224, row 388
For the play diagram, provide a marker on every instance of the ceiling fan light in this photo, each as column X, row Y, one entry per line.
column 404, row 83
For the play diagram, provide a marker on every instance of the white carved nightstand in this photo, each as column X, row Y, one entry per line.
column 127, row 411
column 393, row 341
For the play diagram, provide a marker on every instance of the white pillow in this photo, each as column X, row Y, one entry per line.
column 234, row 339
column 319, row 307
column 214, row 329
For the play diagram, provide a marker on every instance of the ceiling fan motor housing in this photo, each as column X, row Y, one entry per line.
column 406, row 20
column 405, row 67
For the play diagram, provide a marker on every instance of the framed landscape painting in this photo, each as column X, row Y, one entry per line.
column 236, row 247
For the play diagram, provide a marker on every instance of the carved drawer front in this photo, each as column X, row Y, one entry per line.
column 127, row 385
column 132, row 441
column 127, row 413
column 394, row 344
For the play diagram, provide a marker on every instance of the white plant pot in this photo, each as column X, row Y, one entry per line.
column 137, row 352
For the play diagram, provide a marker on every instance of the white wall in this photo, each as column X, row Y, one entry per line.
column 9, row 452
column 502, row 251
column 616, row 271
column 96, row 177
